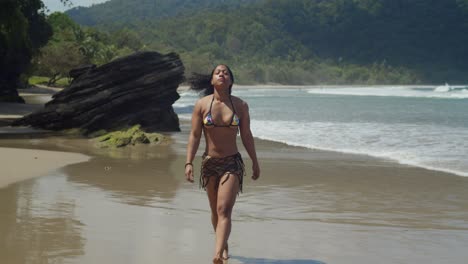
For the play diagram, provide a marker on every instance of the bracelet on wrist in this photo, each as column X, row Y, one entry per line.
column 188, row 163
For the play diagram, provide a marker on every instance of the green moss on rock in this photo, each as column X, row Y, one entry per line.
column 132, row 136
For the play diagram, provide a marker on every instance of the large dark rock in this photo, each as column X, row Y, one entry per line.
column 137, row 89
column 77, row 72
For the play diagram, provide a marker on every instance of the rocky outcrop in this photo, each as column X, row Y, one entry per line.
column 137, row 89
column 77, row 72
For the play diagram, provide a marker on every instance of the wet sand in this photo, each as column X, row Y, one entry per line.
column 133, row 206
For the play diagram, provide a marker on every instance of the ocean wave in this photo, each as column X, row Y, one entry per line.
column 185, row 116
column 185, row 103
column 421, row 145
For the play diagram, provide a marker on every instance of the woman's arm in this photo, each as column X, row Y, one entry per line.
column 194, row 140
column 248, row 140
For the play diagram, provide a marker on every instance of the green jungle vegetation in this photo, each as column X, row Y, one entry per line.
column 302, row 41
column 264, row 41
column 72, row 45
column 118, row 13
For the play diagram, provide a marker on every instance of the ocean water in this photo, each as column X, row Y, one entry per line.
column 424, row 126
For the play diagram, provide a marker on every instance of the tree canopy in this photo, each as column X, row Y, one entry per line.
column 336, row 41
column 73, row 45
column 23, row 30
column 117, row 13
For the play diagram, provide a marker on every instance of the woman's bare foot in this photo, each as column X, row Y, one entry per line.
column 226, row 252
column 218, row 260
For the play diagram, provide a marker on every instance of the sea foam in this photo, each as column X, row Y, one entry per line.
column 445, row 92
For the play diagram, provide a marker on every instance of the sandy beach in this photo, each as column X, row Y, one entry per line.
column 22, row 164
column 133, row 205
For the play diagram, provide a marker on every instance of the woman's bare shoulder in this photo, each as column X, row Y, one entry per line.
column 238, row 100
column 205, row 98
column 239, row 103
column 202, row 101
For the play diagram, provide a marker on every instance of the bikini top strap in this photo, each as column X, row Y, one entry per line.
column 211, row 105
column 233, row 108
column 234, row 113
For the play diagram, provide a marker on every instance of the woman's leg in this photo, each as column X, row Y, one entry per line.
column 227, row 192
column 212, row 192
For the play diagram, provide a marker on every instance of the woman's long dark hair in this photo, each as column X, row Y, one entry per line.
column 202, row 82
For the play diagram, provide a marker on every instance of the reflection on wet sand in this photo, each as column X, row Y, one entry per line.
column 364, row 193
column 133, row 181
column 34, row 230
column 55, row 218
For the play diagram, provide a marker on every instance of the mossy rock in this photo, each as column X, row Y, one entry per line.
column 132, row 136
column 155, row 137
column 139, row 138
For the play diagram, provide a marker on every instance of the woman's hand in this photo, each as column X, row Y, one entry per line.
column 189, row 172
column 255, row 171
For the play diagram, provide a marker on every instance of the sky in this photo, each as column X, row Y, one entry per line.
column 56, row 5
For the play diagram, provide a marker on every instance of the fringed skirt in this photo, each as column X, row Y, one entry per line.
column 216, row 168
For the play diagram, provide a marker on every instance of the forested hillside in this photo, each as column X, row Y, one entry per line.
column 303, row 41
column 120, row 12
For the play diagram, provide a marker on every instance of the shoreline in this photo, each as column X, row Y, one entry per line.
column 360, row 156
column 355, row 156
column 266, row 149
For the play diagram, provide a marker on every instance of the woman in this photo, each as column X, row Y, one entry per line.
column 220, row 116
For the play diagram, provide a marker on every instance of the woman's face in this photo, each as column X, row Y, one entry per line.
column 221, row 77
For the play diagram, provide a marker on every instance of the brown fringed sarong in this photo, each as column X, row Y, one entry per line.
column 217, row 167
